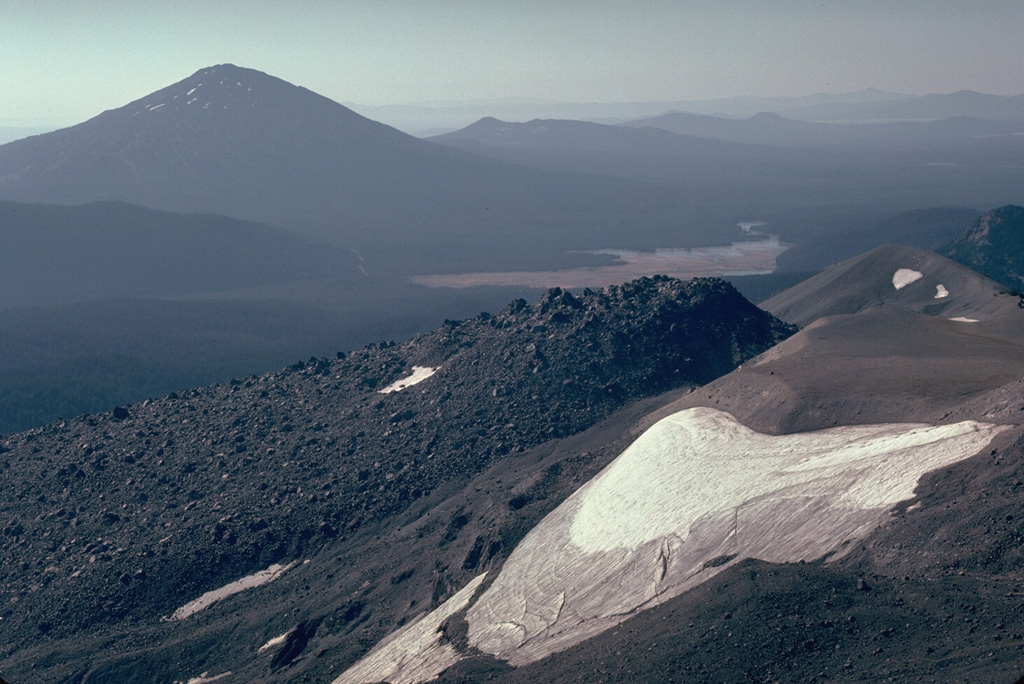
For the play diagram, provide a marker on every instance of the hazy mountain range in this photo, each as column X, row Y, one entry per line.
column 240, row 143
column 237, row 142
column 766, row 128
column 935, row 106
column 864, row 105
column 378, row 206
column 773, row 166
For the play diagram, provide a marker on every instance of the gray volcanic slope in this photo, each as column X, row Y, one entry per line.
column 930, row 595
column 872, row 353
column 938, row 287
column 112, row 522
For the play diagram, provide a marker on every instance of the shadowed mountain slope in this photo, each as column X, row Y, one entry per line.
column 59, row 254
column 994, row 246
column 930, row 229
column 117, row 520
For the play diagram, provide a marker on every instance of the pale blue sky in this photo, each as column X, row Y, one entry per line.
column 67, row 60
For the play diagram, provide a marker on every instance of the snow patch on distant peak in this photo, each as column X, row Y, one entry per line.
column 419, row 374
column 904, row 277
column 964, row 319
column 941, row 292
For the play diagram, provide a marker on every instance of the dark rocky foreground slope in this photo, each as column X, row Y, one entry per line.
column 112, row 522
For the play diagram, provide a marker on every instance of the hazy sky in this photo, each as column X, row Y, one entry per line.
column 66, row 60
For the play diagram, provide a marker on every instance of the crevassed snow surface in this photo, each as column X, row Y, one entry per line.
column 415, row 652
column 419, row 374
column 251, row 581
column 697, row 486
column 941, row 292
column 904, row 277
column 697, row 462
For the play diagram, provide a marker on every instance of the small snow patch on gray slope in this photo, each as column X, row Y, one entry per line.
column 249, row 582
column 419, row 374
column 904, row 276
column 941, row 292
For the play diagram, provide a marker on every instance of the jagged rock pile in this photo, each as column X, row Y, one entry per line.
column 127, row 515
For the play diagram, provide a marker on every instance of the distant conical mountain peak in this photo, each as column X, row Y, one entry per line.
column 219, row 87
column 237, row 142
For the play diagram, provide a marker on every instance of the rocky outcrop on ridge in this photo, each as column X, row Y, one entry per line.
column 123, row 517
column 994, row 246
